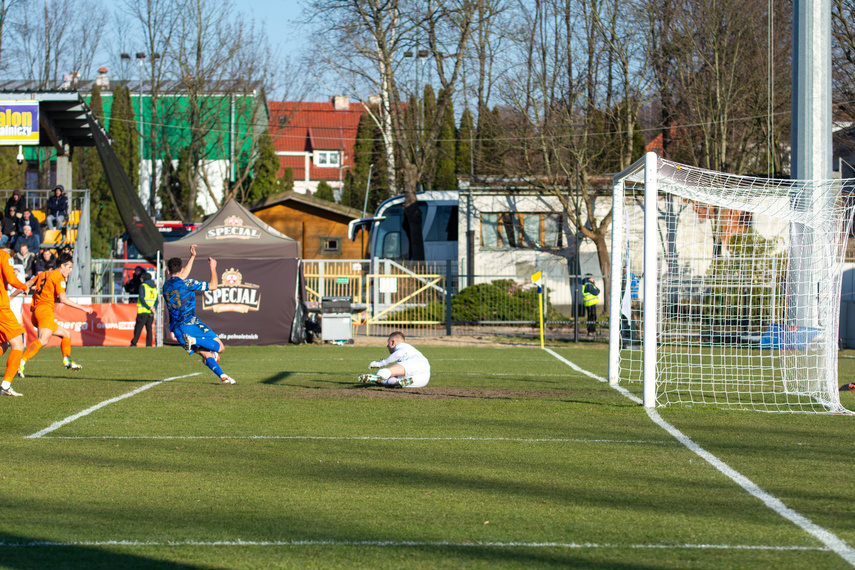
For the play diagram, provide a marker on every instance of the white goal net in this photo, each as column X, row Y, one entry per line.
column 728, row 290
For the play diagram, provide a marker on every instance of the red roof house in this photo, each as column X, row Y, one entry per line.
column 315, row 139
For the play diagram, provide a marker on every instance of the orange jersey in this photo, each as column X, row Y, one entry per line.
column 8, row 277
column 48, row 285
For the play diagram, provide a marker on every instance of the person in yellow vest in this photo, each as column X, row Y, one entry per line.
column 146, row 303
column 591, row 296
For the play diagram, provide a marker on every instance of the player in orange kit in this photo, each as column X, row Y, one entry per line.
column 47, row 287
column 10, row 329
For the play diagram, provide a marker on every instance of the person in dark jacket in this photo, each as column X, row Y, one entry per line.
column 57, row 208
column 45, row 261
column 132, row 286
column 146, row 303
column 9, row 228
column 28, row 219
column 17, row 201
column 29, row 239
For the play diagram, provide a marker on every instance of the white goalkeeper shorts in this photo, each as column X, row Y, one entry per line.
column 418, row 370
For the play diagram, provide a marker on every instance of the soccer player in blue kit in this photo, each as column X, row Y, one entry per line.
column 179, row 293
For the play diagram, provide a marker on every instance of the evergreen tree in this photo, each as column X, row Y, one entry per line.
column 356, row 178
column 106, row 223
column 491, row 136
column 287, row 181
column 11, row 173
column 465, row 135
column 324, row 191
column 265, row 170
column 446, row 177
column 123, row 131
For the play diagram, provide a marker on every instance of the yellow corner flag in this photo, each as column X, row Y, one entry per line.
column 538, row 280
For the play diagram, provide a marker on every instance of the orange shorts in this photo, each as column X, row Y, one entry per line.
column 9, row 325
column 43, row 318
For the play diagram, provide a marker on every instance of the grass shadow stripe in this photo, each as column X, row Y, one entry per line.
column 56, row 425
column 366, row 438
column 411, row 543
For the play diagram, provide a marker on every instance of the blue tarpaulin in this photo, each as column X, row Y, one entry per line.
column 787, row 337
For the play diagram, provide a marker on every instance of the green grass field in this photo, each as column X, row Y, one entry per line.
column 509, row 458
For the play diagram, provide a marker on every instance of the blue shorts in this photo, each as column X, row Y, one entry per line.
column 197, row 330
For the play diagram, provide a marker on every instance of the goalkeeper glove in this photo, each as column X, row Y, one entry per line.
column 375, row 364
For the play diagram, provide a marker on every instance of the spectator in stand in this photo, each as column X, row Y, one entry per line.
column 26, row 259
column 28, row 219
column 57, row 208
column 9, row 228
column 29, row 239
column 17, row 201
column 45, row 261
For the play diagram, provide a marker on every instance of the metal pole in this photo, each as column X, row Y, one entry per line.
column 651, row 324
column 367, row 190
column 617, row 253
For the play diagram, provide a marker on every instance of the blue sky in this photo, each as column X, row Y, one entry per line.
column 277, row 16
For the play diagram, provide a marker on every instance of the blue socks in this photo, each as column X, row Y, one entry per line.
column 214, row 366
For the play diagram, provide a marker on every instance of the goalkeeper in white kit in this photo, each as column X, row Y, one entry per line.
column 405, row 367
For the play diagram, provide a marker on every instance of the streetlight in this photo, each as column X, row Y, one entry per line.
column 140, row 57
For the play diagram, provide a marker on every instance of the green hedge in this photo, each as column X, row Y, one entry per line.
column 500, row 300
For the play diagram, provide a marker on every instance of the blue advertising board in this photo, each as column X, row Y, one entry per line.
column 19, row 122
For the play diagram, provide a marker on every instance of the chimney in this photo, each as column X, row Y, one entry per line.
column 103, row 80
column 341, row 102
column 374, row 99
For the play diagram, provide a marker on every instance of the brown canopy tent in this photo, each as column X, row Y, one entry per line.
column 261, row 291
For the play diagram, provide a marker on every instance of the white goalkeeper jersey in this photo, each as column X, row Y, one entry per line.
column 413, row 361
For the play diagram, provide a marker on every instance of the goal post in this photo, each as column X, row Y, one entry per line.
column 738, row 296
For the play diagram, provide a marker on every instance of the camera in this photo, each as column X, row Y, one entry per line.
column 20, row 157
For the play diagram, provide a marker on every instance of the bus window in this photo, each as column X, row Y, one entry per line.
column 444, row 226
column 392, row 240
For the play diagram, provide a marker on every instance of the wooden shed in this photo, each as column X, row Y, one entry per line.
column 319, row 225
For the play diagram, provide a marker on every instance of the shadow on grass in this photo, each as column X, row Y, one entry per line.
column 28, row 553
column 277, row 378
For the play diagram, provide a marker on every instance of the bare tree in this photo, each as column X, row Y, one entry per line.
column 364, row 43
column 6, row 12
column 57, row 37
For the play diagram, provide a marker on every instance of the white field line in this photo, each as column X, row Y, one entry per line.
column 407, row 543
column 825, row 536
column 56, row 425
column 365, row 438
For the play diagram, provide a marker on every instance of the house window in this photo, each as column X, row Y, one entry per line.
column 328, row 158
column 331, row 245
column 521, row 230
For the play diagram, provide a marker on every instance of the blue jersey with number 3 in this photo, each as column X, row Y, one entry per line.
column 180, row 297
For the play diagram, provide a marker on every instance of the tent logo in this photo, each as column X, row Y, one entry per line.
column 233, row 295
column 233, row 228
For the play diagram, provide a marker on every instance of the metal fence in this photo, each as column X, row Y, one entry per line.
column 430, row 299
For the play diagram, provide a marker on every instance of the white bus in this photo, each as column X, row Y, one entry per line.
column 389, row 236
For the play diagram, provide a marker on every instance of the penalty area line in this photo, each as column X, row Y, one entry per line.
column 56, row 425
column 409, row 543
column 828, row 538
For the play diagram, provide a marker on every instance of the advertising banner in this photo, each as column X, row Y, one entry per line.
column 112, row 324
column 253, row 304
column 19, row 122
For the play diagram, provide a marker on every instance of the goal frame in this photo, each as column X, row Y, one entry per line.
column 646, row 171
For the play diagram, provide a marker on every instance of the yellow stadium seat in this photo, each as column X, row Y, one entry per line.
column 70, row 236
column 52, row 236
column 74, row 217
column 39, row 215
